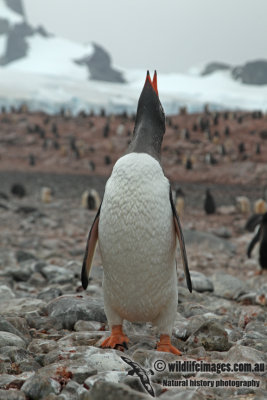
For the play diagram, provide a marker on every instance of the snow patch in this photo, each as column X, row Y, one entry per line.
column 54, row 56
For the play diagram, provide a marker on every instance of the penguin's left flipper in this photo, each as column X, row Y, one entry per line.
column 180, row 235
column 90, row 250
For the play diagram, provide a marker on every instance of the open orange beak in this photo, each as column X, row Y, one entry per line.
column 153, row 83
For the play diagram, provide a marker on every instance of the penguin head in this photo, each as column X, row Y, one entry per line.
column 149, row 126
column 149, row 106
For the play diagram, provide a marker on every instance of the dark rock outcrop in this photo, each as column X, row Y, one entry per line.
column 43, row 32
column 99, row 63
column 213, row 67
column 16, row 46
column 100, row 68
column 252, row 73
column 16, row 5
column 4, row 26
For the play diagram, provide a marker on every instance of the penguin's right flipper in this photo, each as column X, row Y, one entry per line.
column 253, row 221
column 253, row 242
column 180, row 235
column 90, row 250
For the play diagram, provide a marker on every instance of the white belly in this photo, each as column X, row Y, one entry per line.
column 137, row 239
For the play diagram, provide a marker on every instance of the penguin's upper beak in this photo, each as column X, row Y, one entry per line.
column 153, row 82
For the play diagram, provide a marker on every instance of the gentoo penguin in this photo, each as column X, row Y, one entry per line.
column 18, row 190
column 91, row 200
column 46, row 195
column 209, row 203
column 243, row 204
column 261, row 236
column 260, row 206
column 136, row 227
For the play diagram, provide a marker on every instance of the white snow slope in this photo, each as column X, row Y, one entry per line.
column 67, row 85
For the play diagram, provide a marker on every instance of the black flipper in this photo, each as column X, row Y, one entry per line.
column 253, row 221
column 89, row 251
column 180, row 235
column 253, row 242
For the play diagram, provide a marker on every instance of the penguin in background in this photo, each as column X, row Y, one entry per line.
column 261, row 237
column 209, row 203
column 260, row 206
column 241, row 148
column 223, row 150
column 18, row 190
column 210, row 159
column 136, row 227
column 91, row 200
column 32, row 160
column 188, row 163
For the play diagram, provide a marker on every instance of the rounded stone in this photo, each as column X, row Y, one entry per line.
column 9, row 339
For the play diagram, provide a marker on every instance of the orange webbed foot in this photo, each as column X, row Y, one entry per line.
column 258, row 272
column 117, row 340
column 165, row 345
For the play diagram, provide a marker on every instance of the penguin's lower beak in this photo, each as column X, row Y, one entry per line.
column 155, row 82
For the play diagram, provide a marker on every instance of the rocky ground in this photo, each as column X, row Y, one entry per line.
column 50, row 329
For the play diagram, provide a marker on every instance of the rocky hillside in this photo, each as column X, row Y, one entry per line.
column 18, row 47
column 251, row 73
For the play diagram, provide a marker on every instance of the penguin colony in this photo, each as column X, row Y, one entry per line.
column 214, row 134
column 136, row 227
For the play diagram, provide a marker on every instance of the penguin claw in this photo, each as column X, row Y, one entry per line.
column 165, row 345
column 117, row 340
column 169, row 349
